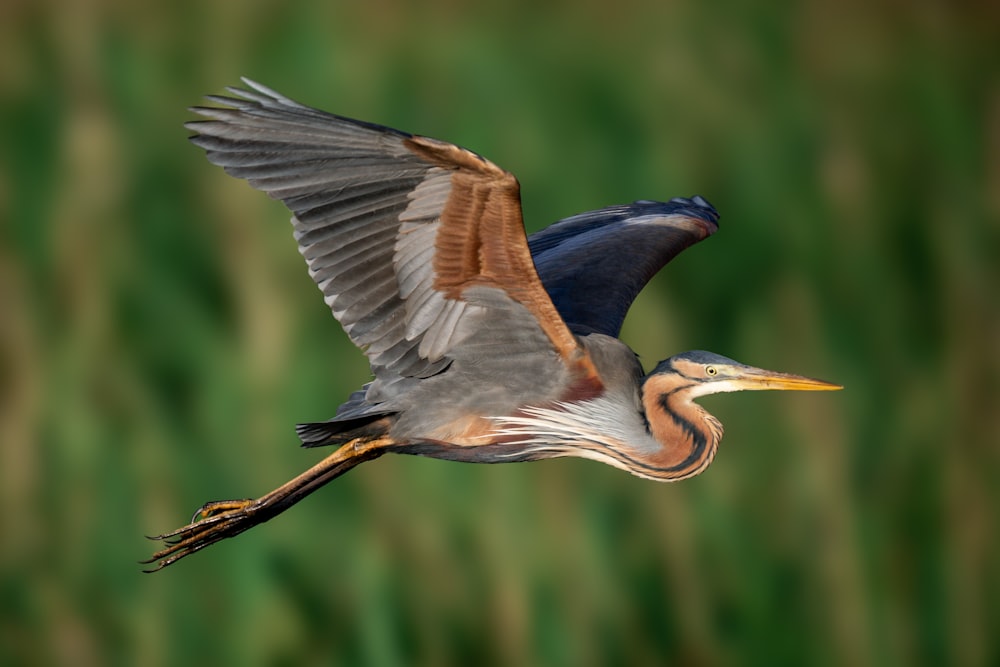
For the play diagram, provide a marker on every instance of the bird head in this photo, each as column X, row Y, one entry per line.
column 702, row 373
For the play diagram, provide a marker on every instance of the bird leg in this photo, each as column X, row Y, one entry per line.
column 217, row 520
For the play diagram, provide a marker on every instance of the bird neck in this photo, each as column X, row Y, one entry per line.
column 688, row 435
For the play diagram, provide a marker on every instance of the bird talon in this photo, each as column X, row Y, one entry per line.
column 212, row 522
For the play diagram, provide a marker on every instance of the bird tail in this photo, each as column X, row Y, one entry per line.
column 341, row 431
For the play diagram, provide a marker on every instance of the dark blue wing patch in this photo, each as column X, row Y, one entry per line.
column 593, row 265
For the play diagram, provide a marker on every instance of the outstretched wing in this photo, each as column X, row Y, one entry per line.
column 593, row 265
column 394, row 227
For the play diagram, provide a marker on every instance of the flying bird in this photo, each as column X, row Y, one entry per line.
column 485, row 345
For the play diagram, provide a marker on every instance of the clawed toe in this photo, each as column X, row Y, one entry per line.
column 212, row 522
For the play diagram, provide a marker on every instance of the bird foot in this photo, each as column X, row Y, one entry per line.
column 212, row 522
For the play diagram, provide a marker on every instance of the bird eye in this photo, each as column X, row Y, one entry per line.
column 711, row 370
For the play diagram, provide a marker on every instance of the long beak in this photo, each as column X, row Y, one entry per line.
column 758, row 379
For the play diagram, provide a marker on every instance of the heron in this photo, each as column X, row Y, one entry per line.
column 485, row 345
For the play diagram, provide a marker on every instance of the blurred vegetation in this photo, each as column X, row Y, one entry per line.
column 159, row 337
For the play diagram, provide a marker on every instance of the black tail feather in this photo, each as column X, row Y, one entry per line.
column 338, row 432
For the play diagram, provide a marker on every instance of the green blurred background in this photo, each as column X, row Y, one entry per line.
column 159, row 337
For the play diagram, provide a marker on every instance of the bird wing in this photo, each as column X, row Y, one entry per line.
column 395, row 228
column 593, row 265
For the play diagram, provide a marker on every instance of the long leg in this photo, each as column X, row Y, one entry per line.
column 218, row 520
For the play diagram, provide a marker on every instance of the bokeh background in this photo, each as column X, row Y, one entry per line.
column 159, row 337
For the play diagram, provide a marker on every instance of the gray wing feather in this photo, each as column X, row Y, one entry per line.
column 364, row 208
column 366, row 215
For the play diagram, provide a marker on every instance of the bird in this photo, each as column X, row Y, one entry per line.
column 485, row 345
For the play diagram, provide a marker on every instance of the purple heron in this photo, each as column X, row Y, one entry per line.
column 485, row 345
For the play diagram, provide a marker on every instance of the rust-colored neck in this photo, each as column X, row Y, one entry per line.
column 689, row 436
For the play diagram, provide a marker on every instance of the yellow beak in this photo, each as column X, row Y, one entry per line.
column 750, row 378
